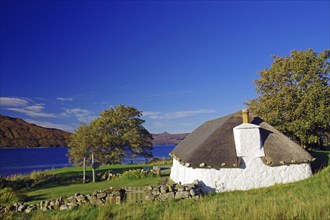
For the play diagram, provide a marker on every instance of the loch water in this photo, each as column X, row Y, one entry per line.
column 27, row 160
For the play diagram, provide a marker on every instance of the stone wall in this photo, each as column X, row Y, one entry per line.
column 97, row 198
column 152, row 193
column 175, row 191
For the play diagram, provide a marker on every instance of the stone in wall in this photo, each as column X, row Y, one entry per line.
column 175, row 191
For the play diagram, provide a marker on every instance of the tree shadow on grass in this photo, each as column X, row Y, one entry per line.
column 321, row 159
column 35, row 198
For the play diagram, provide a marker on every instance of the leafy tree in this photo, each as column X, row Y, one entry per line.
column 295, row 95
column 116, row 134
column 119, row 133
column 80, row 147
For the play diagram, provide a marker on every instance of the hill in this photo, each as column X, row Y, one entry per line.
column 167, row 138
column 15, row 132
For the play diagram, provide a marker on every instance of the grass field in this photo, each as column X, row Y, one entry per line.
column 306, row 199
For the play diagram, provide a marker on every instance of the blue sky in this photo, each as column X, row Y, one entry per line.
column 180, row 62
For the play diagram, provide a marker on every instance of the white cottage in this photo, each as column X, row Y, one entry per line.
column 225, row 154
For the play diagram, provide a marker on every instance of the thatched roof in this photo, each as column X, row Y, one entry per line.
column 212, row 145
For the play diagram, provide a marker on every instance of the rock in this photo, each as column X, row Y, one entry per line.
column 21, row 208
column 72, row 205
column 63, row 207
column 155, row 192
column 189, row 187
column 181, row 189
column 96, row 202
column 101, row 195
column 28, row 210
column 150, row 197
column 77, row 194
column 163, row 189
column 149, row 188
column 81, row 198
column 192, row 192
column 166, row 196
column 57, row 204
column 41, row 204
column 195, row 182
column 71, row 199
column 88, row 197
column 110, row 175
column 182, row 195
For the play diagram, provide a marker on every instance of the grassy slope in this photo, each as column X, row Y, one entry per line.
column 56, row 189
column 307, row 199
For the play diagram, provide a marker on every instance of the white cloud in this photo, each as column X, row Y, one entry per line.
column 178, row 114
column 13, row 102
column 82, row 115
column 151, row 114
column 51, row 125
column 25, row 106
column 32, row 113
column 68, row 99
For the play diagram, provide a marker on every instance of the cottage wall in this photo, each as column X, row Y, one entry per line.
column 253, row 173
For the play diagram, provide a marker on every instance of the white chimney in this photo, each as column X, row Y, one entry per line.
column 247, row 140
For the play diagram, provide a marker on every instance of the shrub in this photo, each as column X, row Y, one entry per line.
column 8, row 195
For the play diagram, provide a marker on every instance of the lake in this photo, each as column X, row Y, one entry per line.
column 26, row 160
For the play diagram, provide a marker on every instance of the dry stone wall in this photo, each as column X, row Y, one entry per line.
column 175, row 191
column 97, row 198
column 163, row 192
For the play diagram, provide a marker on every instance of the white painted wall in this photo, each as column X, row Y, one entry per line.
column 248, row 141
column 252, row 173
column 256, row 174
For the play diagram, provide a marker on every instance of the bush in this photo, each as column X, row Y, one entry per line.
column 37, row 176
column 8, row 195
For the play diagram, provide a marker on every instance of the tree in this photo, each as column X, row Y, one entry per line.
column 116, row 134
column 80, row 147
column 295, row 95
column 119, row 133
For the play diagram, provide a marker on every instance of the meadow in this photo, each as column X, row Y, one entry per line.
column 306, row 199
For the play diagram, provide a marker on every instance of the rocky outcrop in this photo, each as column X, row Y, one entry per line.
column 167, row 138
column 15, row 132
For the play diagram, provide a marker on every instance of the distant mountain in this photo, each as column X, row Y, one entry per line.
column 167, row 138
column 15, row 132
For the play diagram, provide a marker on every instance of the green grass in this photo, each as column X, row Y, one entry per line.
column 306, row 199
column 67, row 182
